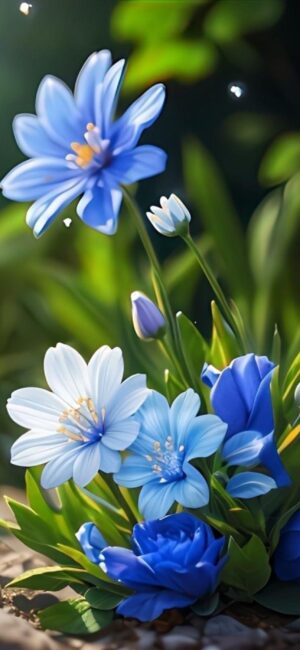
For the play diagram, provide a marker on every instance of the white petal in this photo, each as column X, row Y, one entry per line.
column 33, row 448
column 105, row 371
column 35, row 408
column 87, row 464
column 110, row 460
column 66, row 373
column 60, row 469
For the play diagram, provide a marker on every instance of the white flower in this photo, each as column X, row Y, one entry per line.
column 171, row 218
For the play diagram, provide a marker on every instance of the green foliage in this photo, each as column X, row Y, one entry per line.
column 282, row 159
column 229, row 19
column 74, row 616
column 282, row 597
column 248, row 567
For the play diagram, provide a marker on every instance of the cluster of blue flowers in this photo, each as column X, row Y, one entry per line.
column 89, row 416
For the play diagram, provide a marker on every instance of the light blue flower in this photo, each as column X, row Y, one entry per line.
column 169, row 438
column 76, row 147
column 171, row 218
column 80, row 427
column 148, row 321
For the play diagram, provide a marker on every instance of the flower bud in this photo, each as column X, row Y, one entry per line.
column 171, row 218
column 148, row 321
column 91, row 541
column 297, row 395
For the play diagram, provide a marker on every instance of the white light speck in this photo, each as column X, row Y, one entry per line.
column 236, row 89
column 67, row 222
column 25, row 8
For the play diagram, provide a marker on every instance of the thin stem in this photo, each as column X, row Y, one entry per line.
column 121, row 499
column 171, row 357
column 218, row 291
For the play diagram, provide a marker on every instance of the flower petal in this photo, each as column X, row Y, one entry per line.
column 205, row 435
column 155, row 426
column 250, row 484
column 34, row 448
column 87, row 464
column 109, row 96
column 184, row 408
column 224, row 395
column 122, row 564
column 35, row 408
column 32, row 138
column 243, row 448
column 121, row 434
column 127, row 399
column 110, row 460
column 156, row 499
column 141, row 162
column 99, row 208
column 134, row 472
column 58, row 113
column 105, row 370
column 147, row 606
column 66, row 373
column 33, row 178
column 192, row 491
column 127, row 130
column 91, row 74
column 43, row 212
column 60, row 469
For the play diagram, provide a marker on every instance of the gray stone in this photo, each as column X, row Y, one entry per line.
column 223, row 625
column 17, row 634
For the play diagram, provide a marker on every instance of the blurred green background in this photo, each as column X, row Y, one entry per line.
column 231, row 127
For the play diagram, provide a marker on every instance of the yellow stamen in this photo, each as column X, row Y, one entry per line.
column 84, row 153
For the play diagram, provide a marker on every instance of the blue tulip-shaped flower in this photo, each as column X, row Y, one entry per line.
column 175, row 561
column 169, row 438
column 76, row 148
column 241, row 397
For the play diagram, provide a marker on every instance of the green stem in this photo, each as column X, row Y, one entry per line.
column 171, row 357
column 218, row 291
column 121, row 499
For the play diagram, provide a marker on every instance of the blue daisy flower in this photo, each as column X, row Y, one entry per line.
column 76, row 148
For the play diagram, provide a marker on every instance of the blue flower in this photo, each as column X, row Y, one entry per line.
column 175, row 561
column 241, row 397
column 287, row 554
column 76, row 147
column 91, row 541
column 80, row 427
column 169, row 438
column 171, row 218
column 148, row 321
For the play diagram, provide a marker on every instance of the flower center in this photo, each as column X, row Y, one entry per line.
column 93, row 150
column 167, row 462
column 82, row 423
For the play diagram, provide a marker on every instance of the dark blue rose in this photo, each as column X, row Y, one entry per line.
column 287, row 554
column 91, row 541
column 174, row 562
column 241, row 396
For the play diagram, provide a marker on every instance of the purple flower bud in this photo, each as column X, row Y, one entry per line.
column 148, row 321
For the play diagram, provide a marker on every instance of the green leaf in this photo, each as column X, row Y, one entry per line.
column 282, row 160
column 224, row 346
column 102, row 599
column 49, row 578
column 173, row 387
column 194, row 346
column 74, row 616
column 229, row 19
column 140, row 21
column 209, row 194
column 185, row 60
column 282, row 597
column 248, row 567
column 206, row 607
column 280, row 523
column 291, row 380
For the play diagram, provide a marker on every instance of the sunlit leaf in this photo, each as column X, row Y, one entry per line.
column 229, row 19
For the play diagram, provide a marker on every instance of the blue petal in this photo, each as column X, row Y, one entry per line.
column 58, row 113
column 91, row 74
column 156, row 499
column 141, row 162
column 155, row 427
column 60, row 469
column 228, row 402
column 127, row 399
column 109, row 96
column 147, row 606
column 121, row 434
column 135, row 471
column 122, row 564
column 184, row 408
column 209, row 375
column 205, row 434
column 42, row 213
column 99, row 208
column 32, row 138
column 246, row 375
column 127, row 130
column 91, row 541
column 261, row 417
column 33, row 178
column 110, row 460
column 192, row 491
column 243, row 448
column 270, row 458
column 250, row 484
column 87, row 464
